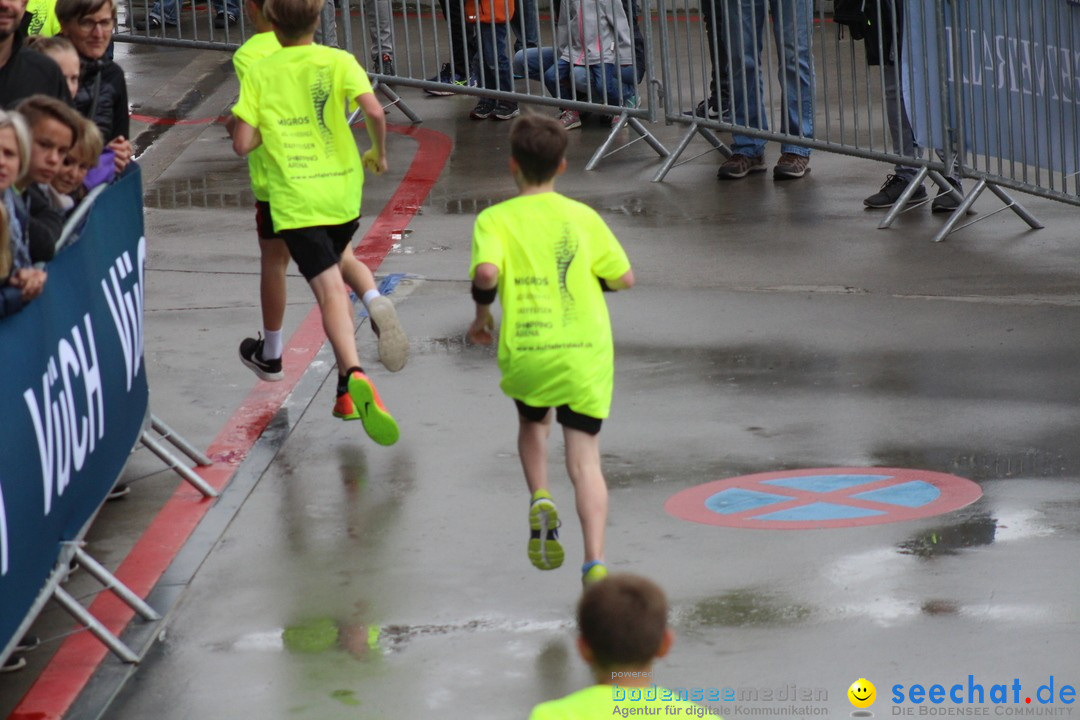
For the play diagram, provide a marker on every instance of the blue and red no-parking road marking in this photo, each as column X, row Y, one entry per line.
column 823, row 498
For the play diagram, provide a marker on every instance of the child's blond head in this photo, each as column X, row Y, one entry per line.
column 623, row 620
column 293, row 18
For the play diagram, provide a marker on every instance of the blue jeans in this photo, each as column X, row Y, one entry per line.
column 792, row 23
column 601, row 83
column 533, row 62
column 526, row 24
column 494, row 60
column 171, row 13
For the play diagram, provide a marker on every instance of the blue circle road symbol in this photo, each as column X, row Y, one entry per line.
column 823, row 498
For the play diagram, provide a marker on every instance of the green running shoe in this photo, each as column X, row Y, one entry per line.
column 545, row 552
column 593, row 572
column 379, row 424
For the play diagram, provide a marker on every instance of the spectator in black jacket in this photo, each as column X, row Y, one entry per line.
column 102, row 95
column 24, row 73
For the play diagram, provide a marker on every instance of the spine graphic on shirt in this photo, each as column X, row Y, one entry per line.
column 565, row 252
column 320, row 95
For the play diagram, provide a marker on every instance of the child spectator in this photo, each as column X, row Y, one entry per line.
column 595, row 57
column 548, row 258
column 54, row 129
column 60, row 49
column 293, row 103
column 70, row 180
column 20, row 282
column 263, row 354
column 622, row 629
column 491, row 19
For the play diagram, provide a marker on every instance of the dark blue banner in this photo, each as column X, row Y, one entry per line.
column 73, row 395
column 1013, row 68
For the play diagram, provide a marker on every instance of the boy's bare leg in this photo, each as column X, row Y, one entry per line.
column 393, row 342
column 357, row 275
column 532, row 447
column 337, row 317
column 583, row 465
column 274, row 262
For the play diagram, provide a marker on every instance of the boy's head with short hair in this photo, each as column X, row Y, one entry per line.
column 82, row 158
column 293, row 19
column 54, row 129
column 538, row 146
column 622, row 621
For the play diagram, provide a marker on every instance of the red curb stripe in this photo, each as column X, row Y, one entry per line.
column 71, row 668
column 152, row 120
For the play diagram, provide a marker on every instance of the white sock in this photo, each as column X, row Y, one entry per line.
column 271, row 344
column 369, row 296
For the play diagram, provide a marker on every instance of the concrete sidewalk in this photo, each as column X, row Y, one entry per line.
column 773, row 328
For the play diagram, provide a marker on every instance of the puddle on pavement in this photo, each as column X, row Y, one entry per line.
column 743, row 608
column 950, row 539
column 208, row 192
column 979, row 464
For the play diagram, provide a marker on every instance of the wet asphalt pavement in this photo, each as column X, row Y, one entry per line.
column 772, row 328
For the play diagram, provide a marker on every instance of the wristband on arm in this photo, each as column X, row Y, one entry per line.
column 604, row 286
column 482, row 296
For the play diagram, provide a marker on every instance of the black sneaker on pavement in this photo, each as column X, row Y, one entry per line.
column 150, row 23
column 483, row 109
column 893, row 187
column 382, row 64
column 251, row 355
column 739, row 166
column 707, row 109
column 791, row 166
column 447, row 76
column 505, row 110
column 944, row 202
column 224, row 19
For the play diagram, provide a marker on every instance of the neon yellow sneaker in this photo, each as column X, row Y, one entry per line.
column 379, row 424
column 593, row 572
column 545, row 552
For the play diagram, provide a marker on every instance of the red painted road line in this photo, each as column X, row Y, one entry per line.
column 152, row 120
column 79, row 656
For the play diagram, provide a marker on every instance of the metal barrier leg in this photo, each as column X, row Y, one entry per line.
column 110, row 581
column 167, row 433
column 1016, row 207
column 396, row 101
column 94, row 626
column 961, row 211
column 901, row 202
column 643, row 134
column 169, row 459
column 684, row 141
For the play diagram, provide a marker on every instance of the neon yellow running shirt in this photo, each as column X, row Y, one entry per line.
column 256, row 48
column 295, row 98
column 599, row 701
column 43, row 19
column 555, row 344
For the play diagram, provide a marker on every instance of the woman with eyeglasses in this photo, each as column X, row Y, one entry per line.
column 102, row 95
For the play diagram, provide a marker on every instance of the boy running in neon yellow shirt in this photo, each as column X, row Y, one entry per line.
column 549, row 258
column 263, row 354
column 292, row 103
column 622, row 626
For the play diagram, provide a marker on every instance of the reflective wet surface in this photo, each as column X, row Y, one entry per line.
column 772, row 328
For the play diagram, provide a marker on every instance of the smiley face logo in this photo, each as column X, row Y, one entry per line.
column 862, row 693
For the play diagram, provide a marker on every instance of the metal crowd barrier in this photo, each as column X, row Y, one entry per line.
column 447, row 48
column 983, row 90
